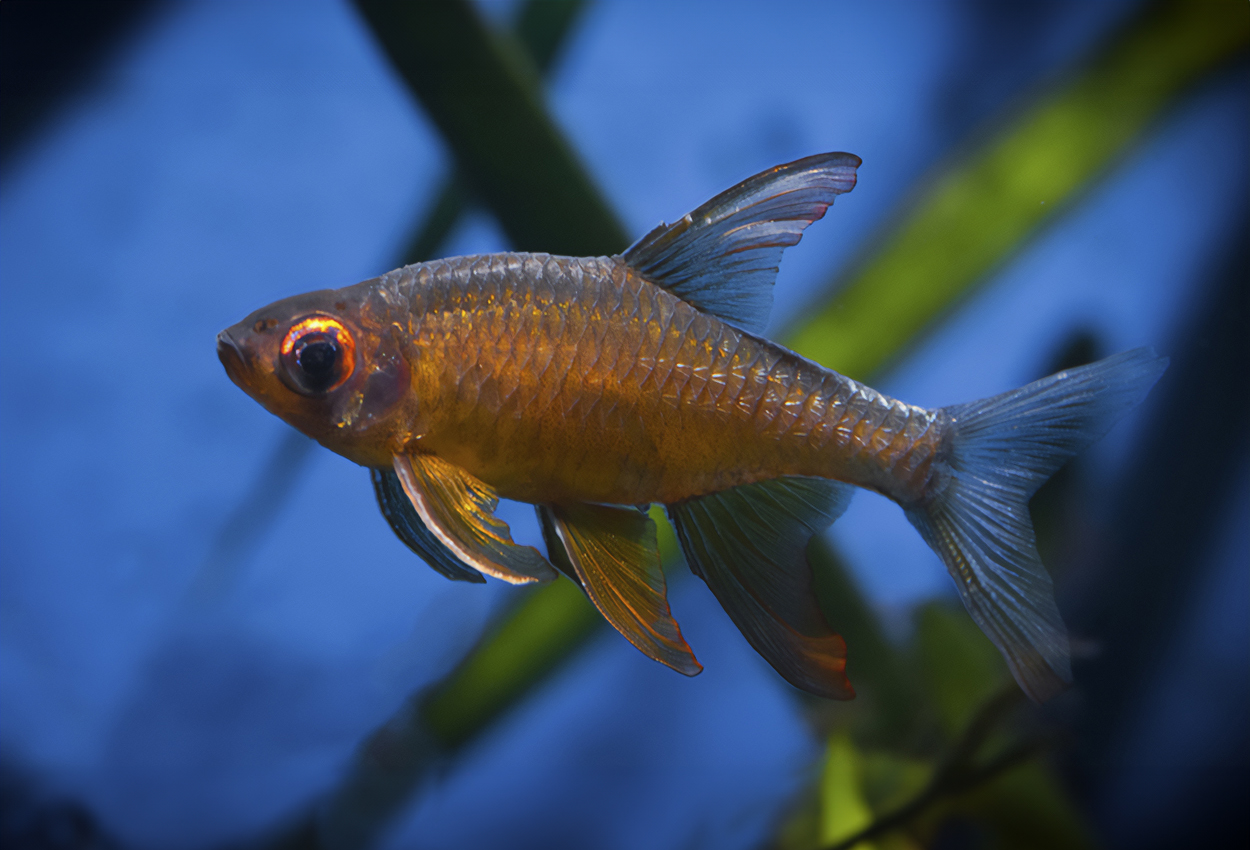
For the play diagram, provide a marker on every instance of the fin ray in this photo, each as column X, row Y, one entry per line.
column 1003, row 449
column 749, row 544
column 723, row 257
column 616, row 559
column 556, row 553
column 458, row 509
column 408, row 527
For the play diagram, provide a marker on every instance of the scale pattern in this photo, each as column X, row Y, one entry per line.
column 574, row 379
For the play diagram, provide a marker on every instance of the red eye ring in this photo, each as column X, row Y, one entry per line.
column 318, row 355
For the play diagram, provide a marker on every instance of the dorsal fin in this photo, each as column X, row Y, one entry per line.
column 723, row 257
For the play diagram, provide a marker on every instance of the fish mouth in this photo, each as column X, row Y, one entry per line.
column 231, row 356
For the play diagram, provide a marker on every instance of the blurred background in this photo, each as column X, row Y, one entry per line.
column 209, row 637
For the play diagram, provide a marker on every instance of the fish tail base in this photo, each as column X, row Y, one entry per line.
column 1001, row 450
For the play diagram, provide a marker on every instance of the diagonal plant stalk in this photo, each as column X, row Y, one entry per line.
column 484, row 96
column 541, row 28
column 985, row 205
column 398, row 755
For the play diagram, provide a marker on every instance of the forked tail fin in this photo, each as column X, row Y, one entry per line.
column 1002, row 449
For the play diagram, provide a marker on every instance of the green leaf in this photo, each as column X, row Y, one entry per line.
column 890, row 780
column 843, row 809
column 959, row 665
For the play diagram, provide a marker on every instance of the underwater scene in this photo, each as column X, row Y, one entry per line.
column 556, row 423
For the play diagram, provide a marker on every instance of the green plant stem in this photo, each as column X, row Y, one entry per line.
column 451, row 200
column 873, row 661
column 542, row 631
column 953, row 786
column 958, row 773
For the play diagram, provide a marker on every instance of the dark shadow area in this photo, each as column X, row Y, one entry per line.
column 1139, row 587
column 32, row 820
column 1005, row 51
column 49, row 51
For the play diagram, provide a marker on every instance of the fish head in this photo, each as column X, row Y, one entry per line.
column 329, row 364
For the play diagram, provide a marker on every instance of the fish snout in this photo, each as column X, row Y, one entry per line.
column 231, row 356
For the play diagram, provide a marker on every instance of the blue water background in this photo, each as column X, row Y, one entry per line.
column 242, row 152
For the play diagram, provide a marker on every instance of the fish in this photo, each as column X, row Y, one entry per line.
column 596, row 387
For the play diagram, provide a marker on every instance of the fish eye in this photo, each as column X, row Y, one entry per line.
column 318, row 355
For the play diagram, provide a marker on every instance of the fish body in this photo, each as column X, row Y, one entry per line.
column 588, row 386
column 561, row 379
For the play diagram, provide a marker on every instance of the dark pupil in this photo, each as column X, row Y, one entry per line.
column 318, row 359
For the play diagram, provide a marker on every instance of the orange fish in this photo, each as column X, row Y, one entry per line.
column 593, row 387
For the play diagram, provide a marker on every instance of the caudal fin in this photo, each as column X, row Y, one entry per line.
column 1002, row 450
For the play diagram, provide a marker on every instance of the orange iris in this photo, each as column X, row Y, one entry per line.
column 318, row 331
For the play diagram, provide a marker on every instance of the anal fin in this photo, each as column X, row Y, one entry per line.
column 458, row 509
column 613, row 554
column 749, row 544
column 408, row 527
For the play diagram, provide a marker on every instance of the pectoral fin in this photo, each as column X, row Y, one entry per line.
column 749, row 545
column 614, row 555
column 556, row 553
column 408, row 527
column 458, row 509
